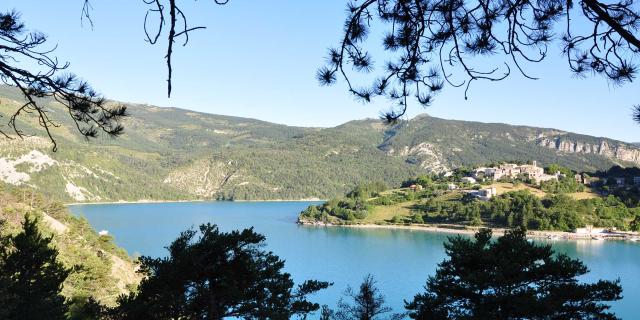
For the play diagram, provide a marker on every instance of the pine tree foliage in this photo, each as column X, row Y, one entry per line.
column 31, row 277
column 20, row 51
column 365, row 304
column 430, row 44
column 511, row 278
column 215, row 276
column 178, row 28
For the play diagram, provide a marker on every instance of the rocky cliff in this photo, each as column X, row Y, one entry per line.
column 607, row 148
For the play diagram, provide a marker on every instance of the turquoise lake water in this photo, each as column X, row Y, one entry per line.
column 400, row 260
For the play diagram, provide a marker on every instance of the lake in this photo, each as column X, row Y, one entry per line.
column 400, row 260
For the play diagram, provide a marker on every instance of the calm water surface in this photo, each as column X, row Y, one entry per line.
column 400, row 260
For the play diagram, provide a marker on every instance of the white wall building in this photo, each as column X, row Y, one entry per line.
column 484, row 194
column 468, row 180
column 511, row 170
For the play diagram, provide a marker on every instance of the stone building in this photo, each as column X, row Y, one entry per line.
column 484, row 194
column 510, row 170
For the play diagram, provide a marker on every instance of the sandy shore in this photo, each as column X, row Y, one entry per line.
column 461, row 229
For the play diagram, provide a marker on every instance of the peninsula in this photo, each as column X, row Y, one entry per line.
column 553, row 202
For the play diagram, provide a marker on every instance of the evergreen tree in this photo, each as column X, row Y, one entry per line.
column 367, row 303
column 215, row 276
column 5, row 295
column 326, row 313
column 31, row 277
column 87, row 308
column 510, row 278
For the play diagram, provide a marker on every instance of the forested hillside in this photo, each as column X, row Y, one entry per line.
column 169, row 153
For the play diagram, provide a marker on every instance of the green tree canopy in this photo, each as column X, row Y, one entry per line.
column 31, row 277
column 365, row 304
column 510, row 278
column 553, row 168
column 217, row 275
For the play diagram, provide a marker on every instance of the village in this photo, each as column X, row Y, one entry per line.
column 534, row 175
column 481, row 183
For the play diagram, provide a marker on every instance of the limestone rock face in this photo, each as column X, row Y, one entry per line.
column 615, row 151
column 427, row 155
column 203, row 177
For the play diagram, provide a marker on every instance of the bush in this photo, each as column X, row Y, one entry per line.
column 398, row 219
column 417, row 218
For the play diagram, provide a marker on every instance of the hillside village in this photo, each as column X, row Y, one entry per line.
column 534, row 175
column 603, row 204
column 513, row 171
column 507, row 171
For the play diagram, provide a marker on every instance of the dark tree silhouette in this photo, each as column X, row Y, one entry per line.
column 365, row 304
column 326, row 313
column 155, row 19
column 178, row 27
column 510, row 278
column 26, row 63
column 215, row 276
column 433, row 43
column 430, row 44
column 87, row 308
column 31, row 277
column 5, row 295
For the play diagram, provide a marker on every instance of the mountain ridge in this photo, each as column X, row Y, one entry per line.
column 416, row 117
column 179, row 154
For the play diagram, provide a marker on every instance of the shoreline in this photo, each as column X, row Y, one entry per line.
column 436, row 228
column 464, row 230
column 129, row 202
column 283, row 200
column 184, row 201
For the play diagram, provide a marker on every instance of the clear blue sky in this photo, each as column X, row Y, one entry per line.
column 258, row 59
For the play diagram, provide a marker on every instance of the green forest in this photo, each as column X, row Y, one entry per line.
column 552, row 205
column 176, row 154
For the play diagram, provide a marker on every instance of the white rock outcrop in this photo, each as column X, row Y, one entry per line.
column 614, row 151
column 35, row 161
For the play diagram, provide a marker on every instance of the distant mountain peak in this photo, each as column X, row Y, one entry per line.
column 421, row 116
column 171, row 153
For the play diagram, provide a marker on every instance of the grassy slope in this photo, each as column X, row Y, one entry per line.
column 107, row 271
column 384, row 214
